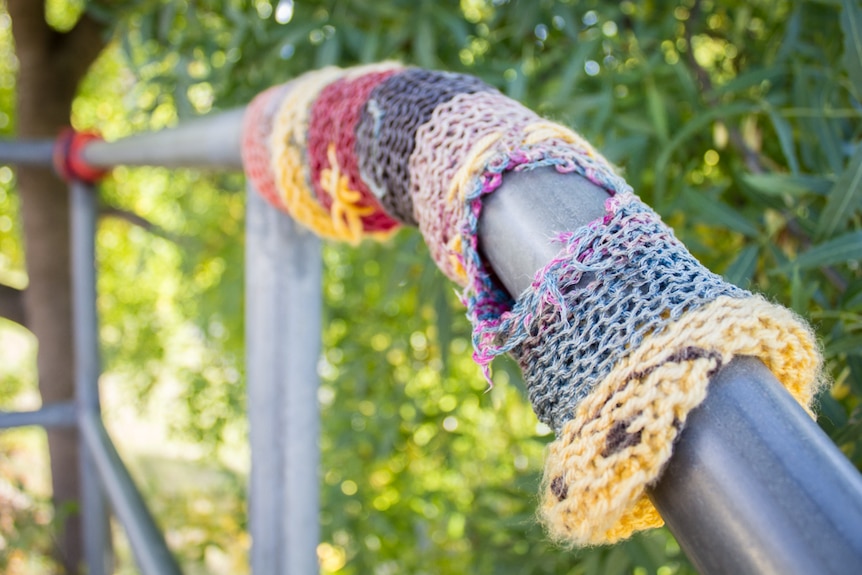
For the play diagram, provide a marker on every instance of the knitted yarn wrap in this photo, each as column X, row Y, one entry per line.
column 256, row 134
column 443, row 144
column 332, row 132
column 617, row 336
column 615, row 281
column 387, row 130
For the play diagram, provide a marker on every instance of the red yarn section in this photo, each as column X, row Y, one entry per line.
column 256, row 129
column 334, row 116
column 69, row 160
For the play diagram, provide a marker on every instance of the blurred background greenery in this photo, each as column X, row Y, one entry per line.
column 737, row 120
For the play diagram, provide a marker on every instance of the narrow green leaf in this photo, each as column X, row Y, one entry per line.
column 742, row 268
column 843, row 199
column 424, row 46
column 698, row 124
column 573, row 72
column 831, row 414
column 329, row 52
column 657, row 111
column 443, row 315
column 800, row 293
column 849, row 344
column 828, row 136
column 457, row 27
column 516, row 88
column 370, row 48
column 837, row 251
column 716, row 213
column 851, row 431
column 617, row 562
column 784, row 184
column 166, row 20
column 785, row 138
column 749, row 79
column 852, row 298
column 851, row 25
column 791, row 35
column 854, row 362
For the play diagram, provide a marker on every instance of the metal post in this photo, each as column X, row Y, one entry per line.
column 94, row 513
column 283, row 309
column 146, row 540
column 211, row 141
column 101, row 465
column 754, row 486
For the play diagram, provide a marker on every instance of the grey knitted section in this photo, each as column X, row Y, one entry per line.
column 386, row 133
column 616, row 282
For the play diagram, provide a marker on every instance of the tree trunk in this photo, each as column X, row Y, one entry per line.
column 51, row 64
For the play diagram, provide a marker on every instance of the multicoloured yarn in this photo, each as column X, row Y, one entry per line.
column 332, row 130
column 622, row 434
column 256, row 134
column 617, row 336
column 386, row 135
column 614, row 282
column 443, row 144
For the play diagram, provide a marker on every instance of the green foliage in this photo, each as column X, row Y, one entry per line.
column 26, row 518
column 739, row 121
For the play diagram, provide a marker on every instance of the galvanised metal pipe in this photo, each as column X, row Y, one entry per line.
column 517, row 226
column 208, row 142
column 49, row 415
column 94, row 513
column 754, row 485
column 100, row 464
column 146, row 540
column 27, row 152
column 283, row 339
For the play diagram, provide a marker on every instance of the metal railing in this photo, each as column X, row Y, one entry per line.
column 754, row 486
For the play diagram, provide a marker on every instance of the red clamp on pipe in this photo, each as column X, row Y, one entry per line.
column 69, row 160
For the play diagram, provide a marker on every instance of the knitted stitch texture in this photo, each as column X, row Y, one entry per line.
column 385, row 136
column 288, row 143
column 614, row 282
column 617, row 336
column 622, row 434
column 289, row 158
column 442, row 146
column 256, row 133
column 334, row 116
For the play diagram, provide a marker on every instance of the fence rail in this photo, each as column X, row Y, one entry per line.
column 51, row 415
column 743, row 492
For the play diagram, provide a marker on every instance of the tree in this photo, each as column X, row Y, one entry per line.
column 51, row 64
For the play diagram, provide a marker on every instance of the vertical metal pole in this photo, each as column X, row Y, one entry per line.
column 94, row 514
column 283, row 308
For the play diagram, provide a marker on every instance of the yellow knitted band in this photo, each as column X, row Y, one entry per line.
column 290, row 168
column 346, row 213
column 622, row 434
column 545, row 130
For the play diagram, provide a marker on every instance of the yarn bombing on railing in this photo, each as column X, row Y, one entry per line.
column 617, row 336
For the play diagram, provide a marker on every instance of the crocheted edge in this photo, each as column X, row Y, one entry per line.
column 487, row 303
column 622, row 435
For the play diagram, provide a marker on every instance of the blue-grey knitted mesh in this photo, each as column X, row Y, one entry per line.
column 616, row 282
